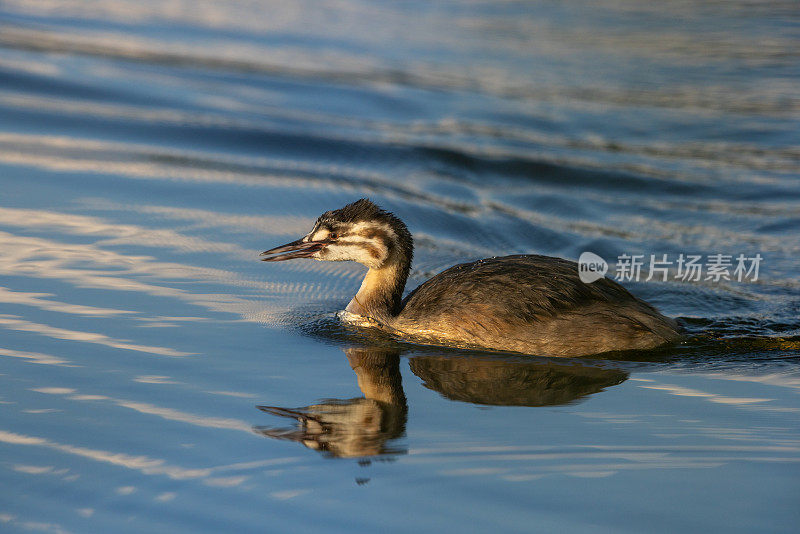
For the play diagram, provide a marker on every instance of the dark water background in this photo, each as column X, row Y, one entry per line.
column 150, row 150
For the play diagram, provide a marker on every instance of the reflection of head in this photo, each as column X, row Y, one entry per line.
column 512, row 381
column 353, row 427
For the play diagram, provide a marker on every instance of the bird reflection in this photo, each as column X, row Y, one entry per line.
column 370, row 426
column 513, row 382
column 353, row 427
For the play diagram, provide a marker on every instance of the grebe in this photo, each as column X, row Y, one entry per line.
column 527, row 303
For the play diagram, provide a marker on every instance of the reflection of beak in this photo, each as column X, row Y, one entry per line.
column 295, row 249
column 286, row 412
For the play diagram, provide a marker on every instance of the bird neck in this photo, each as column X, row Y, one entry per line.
column 381, row 293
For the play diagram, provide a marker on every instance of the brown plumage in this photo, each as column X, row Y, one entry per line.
column 526, row 303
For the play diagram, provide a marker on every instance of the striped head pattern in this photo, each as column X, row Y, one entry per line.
column 361, row 232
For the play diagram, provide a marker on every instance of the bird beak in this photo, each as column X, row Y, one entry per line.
column 295, row 249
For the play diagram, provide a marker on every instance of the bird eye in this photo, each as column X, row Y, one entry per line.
column 333, row 235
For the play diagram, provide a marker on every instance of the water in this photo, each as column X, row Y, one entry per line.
column 150, row 150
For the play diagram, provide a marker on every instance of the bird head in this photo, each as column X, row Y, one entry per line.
column 360, row 232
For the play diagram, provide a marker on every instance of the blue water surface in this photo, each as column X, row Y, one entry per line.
column 149, row 151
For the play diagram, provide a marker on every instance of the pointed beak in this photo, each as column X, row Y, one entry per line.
column 295, row 249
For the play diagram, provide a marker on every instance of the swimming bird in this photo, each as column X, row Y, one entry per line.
column 524, row 303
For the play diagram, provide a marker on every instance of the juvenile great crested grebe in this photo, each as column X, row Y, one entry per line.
column 527, row 303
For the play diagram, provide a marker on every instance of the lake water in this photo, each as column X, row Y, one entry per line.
column 150, row 150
